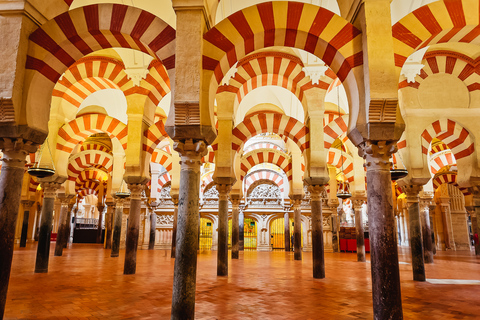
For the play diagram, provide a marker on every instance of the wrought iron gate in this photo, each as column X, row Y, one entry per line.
column 250, row 234
column 206, row 231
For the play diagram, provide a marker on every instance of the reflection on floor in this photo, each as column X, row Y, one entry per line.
column 87, row 283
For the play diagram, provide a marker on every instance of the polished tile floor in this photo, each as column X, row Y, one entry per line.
column 87, row 284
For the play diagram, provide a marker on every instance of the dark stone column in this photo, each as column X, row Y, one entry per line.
column 357, row 205
column 63, row 225
column 71, row 208
column 43, row 249
column 235, row 199
column 109, row 224
column 416, row 240
column 131, row 242
column 11, row 179
column 286, row 220
column 333, row 204
column 241, row 227
column 100, row 208
column 222, row 252
column 426, row 233
column 153, row 225
column 175, row 219
column 297, row 227
column 317, row 232
column 37, row 224
column 117, row 227
column 387, row 301
column 476, row 228
column 185, row 274
column 26, row 214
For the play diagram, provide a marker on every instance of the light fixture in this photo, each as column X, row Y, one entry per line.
column 42, row 172
column 396, row 173
column 343, row 193
column 123, row 192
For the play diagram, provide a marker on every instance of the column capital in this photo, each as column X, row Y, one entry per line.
column 65, row 199
column 15, row 151
column 136, row 190
column 27, row 203
column 235, row 199
column 358, row 202
column 175, row 200
column 191, row 152
column 100, row 208
column 413, row 192
column 316, row 192
column 119, row 201
column 296, row 200
column 377, row 153
column 50, row 189
column 223, row 191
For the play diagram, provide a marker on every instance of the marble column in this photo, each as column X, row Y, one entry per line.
column 476, row 204
column 222, row 252
column 235, row 199
column 109, row 224
column 71, row 208
column 297, row 227
column 416, row 240
column 317, row 231
column 37, row 223
column 401, row 227
column 26, row 215
column 117, row 227
column 286, row 220
column 386, row 293
column 153, row 225
column 426, row 233
column 131, row 242
column 63, row 225
column 43, row 248
column 185, row 269
column 447, row 223
column 11, row 179
column 100, row 208
column 175, row 219
column 358, row 205
column 241, row 227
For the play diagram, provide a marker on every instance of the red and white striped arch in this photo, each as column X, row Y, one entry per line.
column 456, row 137
column 337, row 158
column 88, row 159
column 439, row 147
column 162, row 180
column 441, row 160
column 210, row 156
column 154, row 135
column 33, row 184
column 263, row 174
column 449, row 62
column 437, row 22
column 450, row 178
column 207, row 179
column 334, row 129
column 95, row 147
column 270, row 122
column 273, row 69
column 163, row 158
column 87, row 176
column 263, row 145
column 82, row 193
column 289, row 24
column 57, row 44
column 278, row 158
column 80, row 128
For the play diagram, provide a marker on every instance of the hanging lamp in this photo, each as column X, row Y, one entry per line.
column 123, row 192
column 343, row 193
column 42, row 172
column 398, row 173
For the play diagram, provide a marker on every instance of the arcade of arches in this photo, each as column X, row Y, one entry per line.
column 230, row 126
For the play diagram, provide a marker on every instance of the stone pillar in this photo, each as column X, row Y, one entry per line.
column 401, row 227
column 71, row 208
column 286, row 219
column 26, row 215
column 175, row 219
column 297, row 227
column 153, row 225
column 476, row 229
column 426, row 232
column 222, row 252
column 235, row 199
column 117, row 227
column 100, row 208
column 62, row 233
column 317, row 232
column 416, row 240
column 358, row 204
column 37, row 223
column 11, row 179
column 333, row 205
column 241, row 227
column 387, row 301
column 185, row 274
column 131, row 242
column 43, row 249
column 447, row 223
column 109, row 224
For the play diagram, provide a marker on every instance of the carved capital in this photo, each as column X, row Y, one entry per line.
column 235, row 200
column 315, row 192
column 413, row 192
column 50, row 189
column 65, row 199
column 100, row 208
column 136, row 190
column 296, row 200
column 358, row 203
column 191, row 153
column 223, row 191
column 175, row 200
column 377, row 154
column 27, row 203
column 119, row 201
